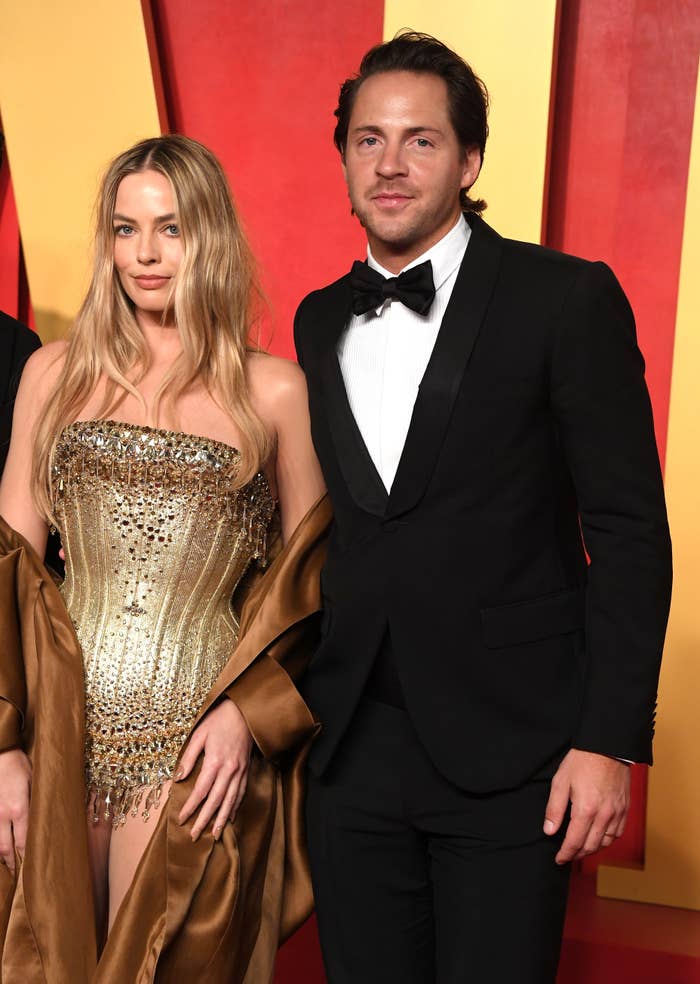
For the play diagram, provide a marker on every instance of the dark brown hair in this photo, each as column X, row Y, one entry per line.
column 411, row 51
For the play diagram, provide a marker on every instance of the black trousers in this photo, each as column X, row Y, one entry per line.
column 418, row 882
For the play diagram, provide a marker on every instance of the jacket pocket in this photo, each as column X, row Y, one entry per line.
column 538, row 618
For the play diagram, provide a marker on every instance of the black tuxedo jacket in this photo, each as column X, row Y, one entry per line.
column 532, row 426
column 17, row 342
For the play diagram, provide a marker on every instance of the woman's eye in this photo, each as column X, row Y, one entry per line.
column 173, row 229
column 123, row 230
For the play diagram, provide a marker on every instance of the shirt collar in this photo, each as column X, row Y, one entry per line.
column 445, row 255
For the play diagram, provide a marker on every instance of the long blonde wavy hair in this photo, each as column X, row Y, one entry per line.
column 215, row 300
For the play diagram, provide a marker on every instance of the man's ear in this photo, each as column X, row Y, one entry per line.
column 471, row 166
column 344, row 167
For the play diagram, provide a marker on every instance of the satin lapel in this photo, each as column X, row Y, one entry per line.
column 360, row 474
column 440, row 384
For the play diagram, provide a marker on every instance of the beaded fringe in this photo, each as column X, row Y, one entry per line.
column 117, row 803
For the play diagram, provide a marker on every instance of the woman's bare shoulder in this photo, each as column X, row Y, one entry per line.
column 274, row 381
column 44, row 365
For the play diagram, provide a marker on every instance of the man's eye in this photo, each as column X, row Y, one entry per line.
column 369, row 141
column 422, row 142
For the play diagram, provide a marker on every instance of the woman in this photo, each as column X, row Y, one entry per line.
column 159, row 445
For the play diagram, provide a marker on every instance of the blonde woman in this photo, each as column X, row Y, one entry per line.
column 160, row 445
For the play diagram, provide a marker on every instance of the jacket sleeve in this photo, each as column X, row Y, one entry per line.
column 280, row 630
column 603, row 412
column 299, row 332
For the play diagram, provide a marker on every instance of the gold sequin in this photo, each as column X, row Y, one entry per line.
column 156, row 539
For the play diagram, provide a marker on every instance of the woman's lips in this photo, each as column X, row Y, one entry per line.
column 151, row 283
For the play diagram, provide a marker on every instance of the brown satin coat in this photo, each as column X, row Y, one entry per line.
column 208, row 911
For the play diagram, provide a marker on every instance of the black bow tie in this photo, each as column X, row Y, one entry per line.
column 413, row 287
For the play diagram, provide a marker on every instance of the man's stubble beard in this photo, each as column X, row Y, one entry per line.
column 405, row 235
column 420, row 226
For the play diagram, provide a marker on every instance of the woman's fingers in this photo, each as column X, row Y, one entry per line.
column 15, row 784
column 227, row 810
column 190, row 755
column 219, row 791
column 205, row 780
column 7, row 845
column 19, row 829
column 239, row 796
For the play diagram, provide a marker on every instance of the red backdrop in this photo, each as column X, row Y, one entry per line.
column 257, row 83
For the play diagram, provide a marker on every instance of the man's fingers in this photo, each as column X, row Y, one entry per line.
column 575, row 838
column 608, row 825
column 557, row 805
column 596, row 836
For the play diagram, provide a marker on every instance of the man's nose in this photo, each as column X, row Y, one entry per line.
column 392, row 161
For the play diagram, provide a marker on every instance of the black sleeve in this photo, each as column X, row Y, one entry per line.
column 17, row 342
column 602, row 407
column 298, row 333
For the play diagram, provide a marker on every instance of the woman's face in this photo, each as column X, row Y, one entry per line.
column 147, row 241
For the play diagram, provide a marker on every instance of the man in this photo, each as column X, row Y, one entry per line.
column 17, row 343
column 481, row 689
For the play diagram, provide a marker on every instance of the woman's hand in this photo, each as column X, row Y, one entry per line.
column 15, row 785
column 224, row 736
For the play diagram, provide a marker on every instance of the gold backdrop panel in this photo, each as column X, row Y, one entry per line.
column 76, row 88
column 510, row 46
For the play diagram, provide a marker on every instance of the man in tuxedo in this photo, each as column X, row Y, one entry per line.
column 480, row 413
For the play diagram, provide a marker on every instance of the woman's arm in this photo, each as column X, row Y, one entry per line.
column 279, row 390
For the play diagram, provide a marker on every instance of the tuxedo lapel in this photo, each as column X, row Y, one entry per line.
column 440, row 384
column 361, row 476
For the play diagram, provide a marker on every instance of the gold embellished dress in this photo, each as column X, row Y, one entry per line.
column 156, row 539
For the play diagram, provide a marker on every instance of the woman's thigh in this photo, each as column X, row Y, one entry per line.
column 99, row 833
column 129, row 841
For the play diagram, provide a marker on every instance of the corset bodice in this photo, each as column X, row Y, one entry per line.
column 156, row 537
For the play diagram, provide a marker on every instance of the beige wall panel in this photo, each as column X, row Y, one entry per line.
column 510, row 45
column 76, row 88
column 671, row 871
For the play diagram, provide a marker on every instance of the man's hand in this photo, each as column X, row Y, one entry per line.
column 599, row 790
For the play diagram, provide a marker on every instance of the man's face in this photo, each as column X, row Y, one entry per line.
column 403, row 164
